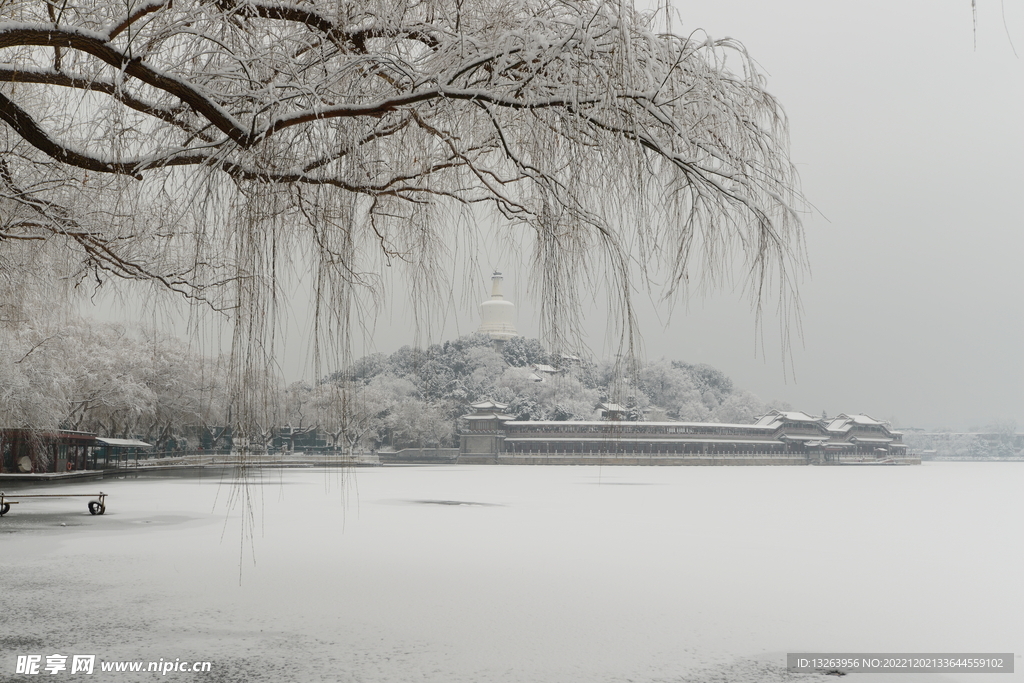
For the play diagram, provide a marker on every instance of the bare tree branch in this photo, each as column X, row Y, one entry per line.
column 208, row 145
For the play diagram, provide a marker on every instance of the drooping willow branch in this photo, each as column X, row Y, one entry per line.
column 234, row 134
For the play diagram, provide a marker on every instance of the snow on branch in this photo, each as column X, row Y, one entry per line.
column 220, row 135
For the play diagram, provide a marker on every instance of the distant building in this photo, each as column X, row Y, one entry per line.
column 485, row 431
column 290, row 438
column 26, row 451
column 784, row 438
column 497, row 314
column 612, row 411
column 540, row 372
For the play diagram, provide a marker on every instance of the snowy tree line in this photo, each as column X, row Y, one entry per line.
column 99, row 377
column 994, row 441
column 422, row 393
column 82, row 375
column 73, row 373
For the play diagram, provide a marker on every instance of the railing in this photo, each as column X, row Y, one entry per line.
column 133, row 460
column 612, row 455
column 419, row 454
column 228, row 458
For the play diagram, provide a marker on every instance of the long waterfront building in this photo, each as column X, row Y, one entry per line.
column 777, row 438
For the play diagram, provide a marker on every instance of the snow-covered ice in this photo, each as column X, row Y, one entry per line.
column 538, row 574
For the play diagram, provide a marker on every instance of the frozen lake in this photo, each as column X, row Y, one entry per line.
column 542, row 574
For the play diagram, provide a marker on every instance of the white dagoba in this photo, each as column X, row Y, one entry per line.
column 497, row 313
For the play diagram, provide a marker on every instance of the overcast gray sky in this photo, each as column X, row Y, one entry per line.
column 909, row 143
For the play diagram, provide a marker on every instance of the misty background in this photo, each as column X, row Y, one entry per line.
column 905, row 128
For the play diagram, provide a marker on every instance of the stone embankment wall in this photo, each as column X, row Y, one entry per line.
column 419, row 455
column 644, row 459
column 653, row 459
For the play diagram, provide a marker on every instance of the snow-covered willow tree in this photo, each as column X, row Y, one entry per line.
column 203, row 146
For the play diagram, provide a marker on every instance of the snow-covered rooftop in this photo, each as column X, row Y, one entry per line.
column 840, row 424
column 775, row 417
column 488, row 405
column 124, row 443
column 798, row 416
column 862, row 419
column 490, row 415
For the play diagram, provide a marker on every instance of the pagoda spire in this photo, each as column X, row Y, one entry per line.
column 497, row 313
